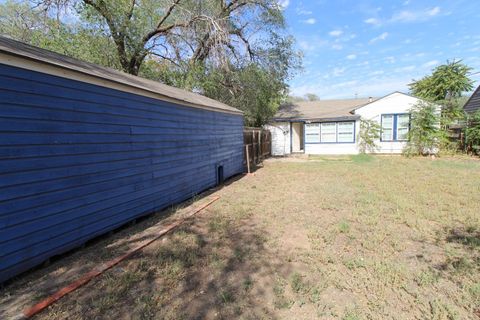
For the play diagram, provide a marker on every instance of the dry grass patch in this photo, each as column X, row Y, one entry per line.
column 330, row 238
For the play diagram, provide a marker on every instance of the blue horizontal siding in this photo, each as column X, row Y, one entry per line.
column 78, row 160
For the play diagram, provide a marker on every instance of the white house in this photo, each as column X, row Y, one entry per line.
column 333, row 126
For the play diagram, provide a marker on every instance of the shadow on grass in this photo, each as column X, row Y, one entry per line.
column 469, row 237
column 467, row 259
column 203, row 269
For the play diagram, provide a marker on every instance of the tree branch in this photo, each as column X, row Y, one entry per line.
column 118, row 37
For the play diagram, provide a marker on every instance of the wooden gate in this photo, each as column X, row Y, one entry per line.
column 258, row 146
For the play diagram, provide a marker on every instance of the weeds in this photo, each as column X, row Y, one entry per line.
column 351, row 315
column 427, row 278
column 356, row 263
column 247, row 284
column 281, row 301
column 474, row 291
column 344, row 227
column 442, row 311
column 296, row 282
column 226, row 296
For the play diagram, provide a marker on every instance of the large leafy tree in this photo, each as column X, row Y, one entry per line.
column 256, row 88
column 234, row 51
column 179, row 30
column 20, row 21
column 445, row 86
column 447, row 82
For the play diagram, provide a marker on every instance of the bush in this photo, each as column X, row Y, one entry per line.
column 425, row 136
column 369, row 134
column 472, row 133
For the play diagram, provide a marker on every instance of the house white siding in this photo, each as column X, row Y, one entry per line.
column 396, row 103
column 395, row 109
column 332, row 149
column 280, row 138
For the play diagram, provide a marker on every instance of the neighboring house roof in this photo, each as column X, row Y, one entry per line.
column 320, row 110
column 22, row 50
column 473, row 104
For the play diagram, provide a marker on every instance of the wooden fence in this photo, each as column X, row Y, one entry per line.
column 258, row 146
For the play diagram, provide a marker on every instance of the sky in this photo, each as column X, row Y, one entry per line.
column 372, row 48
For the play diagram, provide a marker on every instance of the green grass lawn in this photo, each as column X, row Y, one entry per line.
column 329, row 238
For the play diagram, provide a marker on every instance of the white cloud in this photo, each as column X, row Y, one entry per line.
column 337, row 46
column 430, row 64
column 338, row 71
column 335, row 33
column 307, row 45
column 390, row 59
column 376, row 73
column 312, row 44
column 406, row 16
column 302, row 11
column 283, row 3
column 383, row 36
column 310, row 21
column 405, row 69
column 363, row 64
column 434, row 11
column 351, row 56
column 373, row 21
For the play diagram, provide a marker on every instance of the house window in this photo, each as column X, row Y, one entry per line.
column 346, row 132
column 387, row 127
column 330, row 132
column 403, row 125
column 395, row 127
column 312, row 133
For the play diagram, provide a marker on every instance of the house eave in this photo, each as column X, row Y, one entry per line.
column 317, row 119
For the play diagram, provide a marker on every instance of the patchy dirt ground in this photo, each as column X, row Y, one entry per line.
column 326, row 238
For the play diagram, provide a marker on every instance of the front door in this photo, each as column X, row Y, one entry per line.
column 297, row 136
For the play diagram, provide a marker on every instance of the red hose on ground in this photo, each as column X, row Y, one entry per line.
column 30, row 312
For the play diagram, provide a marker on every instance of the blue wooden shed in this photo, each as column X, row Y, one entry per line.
column 85, row 149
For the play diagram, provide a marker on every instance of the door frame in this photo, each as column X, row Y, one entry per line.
column 301, row 137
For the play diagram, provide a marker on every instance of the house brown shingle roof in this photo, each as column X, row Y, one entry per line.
column 25, row 51
column 320, row 110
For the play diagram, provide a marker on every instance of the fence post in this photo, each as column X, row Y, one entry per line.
column 260, row 147
column 254, row 147
column 248, row 158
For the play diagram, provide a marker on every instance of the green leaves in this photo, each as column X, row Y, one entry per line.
column 237, row 52
column 472, row 133
column 31, row 25
column 446, row 82
column 370, row 132
column 445, row 87
column 252, row 89
column 425, row 135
